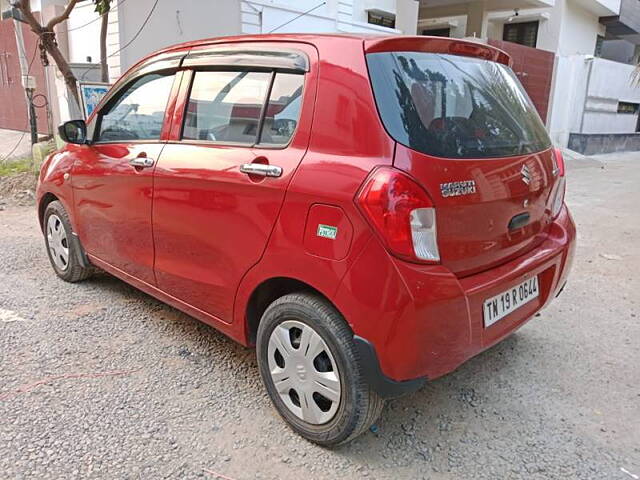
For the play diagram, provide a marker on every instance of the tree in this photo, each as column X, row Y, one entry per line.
column 102, row 8
column 48, row 42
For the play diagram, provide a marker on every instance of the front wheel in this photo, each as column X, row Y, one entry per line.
column 61, row 246
column 309, row 366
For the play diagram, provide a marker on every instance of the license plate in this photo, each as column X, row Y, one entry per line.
column 503, row 304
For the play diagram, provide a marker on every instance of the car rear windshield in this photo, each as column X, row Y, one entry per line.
column 455, row 107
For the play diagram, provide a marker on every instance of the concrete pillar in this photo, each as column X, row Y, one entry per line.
column 477, row 21
column 407, row 16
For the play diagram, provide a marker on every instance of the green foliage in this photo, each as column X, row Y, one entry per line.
column 102, row 6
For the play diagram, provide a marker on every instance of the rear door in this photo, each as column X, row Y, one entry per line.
column 241, row 129
column 469, row 133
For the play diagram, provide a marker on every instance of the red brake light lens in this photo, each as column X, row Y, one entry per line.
column 558, row 161
column 560, row 186
column 401, row 212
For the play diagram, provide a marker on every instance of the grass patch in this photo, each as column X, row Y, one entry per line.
column 13, row 167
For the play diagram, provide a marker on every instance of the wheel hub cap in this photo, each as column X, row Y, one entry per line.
column 304, row 372
column 57, row 242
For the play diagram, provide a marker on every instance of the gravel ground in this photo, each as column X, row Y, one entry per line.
column 14, row 144
column 131, row 388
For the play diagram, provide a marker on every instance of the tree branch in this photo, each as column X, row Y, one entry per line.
column 61, row 18
column 47, row 41
column 25, row 7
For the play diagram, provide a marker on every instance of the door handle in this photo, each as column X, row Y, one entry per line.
column 141, row 162
column 261, row 169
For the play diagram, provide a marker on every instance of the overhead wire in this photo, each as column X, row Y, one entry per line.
column 111, row 10
column 137, row 34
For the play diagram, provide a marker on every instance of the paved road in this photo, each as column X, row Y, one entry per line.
column 560, row 399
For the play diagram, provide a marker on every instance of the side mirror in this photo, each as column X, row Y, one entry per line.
column 73, row 131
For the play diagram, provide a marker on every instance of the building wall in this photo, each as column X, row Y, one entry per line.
column 610, row 83
column 549, row 20
column 350, row 16
column 567, row 98
column 284, row 17
column 176, row 21
column 407, row 16
column 586, row 100
column 83, row 28
column 579, row 30
column 457, row 25
column 172, row 22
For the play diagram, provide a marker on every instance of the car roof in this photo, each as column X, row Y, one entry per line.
column 310, row 38
column 371, row 43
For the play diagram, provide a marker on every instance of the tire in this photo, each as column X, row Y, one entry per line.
column 357, row 406
column 58, row 237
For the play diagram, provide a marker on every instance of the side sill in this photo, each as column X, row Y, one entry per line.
column 382, row 385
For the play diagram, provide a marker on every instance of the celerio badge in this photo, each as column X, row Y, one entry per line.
column 456, row 189
column 327, row 231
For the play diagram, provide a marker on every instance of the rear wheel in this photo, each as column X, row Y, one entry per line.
column 310, row 369
column 62, row 248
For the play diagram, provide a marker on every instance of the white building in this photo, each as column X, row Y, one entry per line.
column 175, row 21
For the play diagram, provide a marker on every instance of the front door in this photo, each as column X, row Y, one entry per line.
column 219, row 187
column 113, row 178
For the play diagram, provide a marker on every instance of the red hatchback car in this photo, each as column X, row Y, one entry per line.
column 369, row 212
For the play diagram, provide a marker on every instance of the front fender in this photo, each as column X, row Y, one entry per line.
column 56, row 179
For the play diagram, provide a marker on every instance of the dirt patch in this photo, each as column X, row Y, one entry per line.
column 18, row 189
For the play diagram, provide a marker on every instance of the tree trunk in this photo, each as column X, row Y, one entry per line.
column 103, row 47
column 69, row 78
column 47, row 38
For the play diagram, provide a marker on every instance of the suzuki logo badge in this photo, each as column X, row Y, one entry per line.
column 526, row 174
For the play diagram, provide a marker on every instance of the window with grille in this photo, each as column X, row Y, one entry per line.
column 628, row 108
column 382, row 20
column 525, row 33
column 437, row 32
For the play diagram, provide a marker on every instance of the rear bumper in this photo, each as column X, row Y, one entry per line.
column 423, row 322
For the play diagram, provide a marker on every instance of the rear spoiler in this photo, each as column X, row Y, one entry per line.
column 437, row 45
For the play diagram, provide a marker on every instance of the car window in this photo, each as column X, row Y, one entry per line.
column 226, row 106
column 283, row 112
column 455, row 107
column 138, row 114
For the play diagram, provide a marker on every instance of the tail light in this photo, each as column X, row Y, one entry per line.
column 402, row 213
column 560, row 186
column 558, row 162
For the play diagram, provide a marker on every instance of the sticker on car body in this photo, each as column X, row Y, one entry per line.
column 327, row 231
